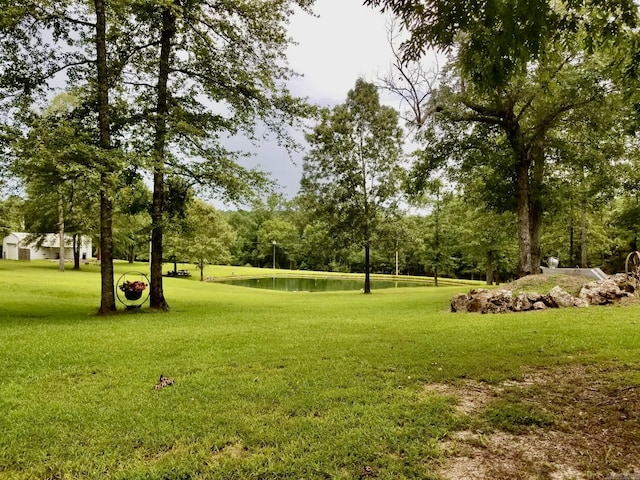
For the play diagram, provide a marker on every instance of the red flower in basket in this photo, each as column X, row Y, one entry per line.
column 133, row 290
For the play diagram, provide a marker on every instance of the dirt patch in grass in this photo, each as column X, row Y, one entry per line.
column 469, row 397
column 595, row 432
column 230, row 451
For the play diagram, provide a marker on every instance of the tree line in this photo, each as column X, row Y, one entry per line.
column 526, row 137
column 453, row 237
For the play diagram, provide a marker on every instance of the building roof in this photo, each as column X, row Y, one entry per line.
column 49, row 240
column 20, row 236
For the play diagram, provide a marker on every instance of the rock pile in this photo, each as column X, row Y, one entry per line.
column 482, row 300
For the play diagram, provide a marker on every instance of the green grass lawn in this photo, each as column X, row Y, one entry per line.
column 268, row 385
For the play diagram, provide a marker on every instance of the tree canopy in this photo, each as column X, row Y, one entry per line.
column 496, row 39
column 353, row 168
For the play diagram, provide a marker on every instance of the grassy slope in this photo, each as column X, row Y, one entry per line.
column 268, row 384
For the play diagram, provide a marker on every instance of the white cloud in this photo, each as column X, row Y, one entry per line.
column 345, row 41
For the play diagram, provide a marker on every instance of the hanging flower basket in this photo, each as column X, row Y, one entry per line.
column 133, row 286
column 133, row 290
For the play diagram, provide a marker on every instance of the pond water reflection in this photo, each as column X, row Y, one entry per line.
column 308, row 284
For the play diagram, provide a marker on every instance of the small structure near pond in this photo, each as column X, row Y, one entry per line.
column 594, row 273
column 553, row 268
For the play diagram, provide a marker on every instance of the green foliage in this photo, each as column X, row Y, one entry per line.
column 203, row 237
column 522, row 145
column 353, row 169
column 285, row 236
column 317, row 247
column 497, row 40
column 228, row 78
column 11, row 215
column 59, row 165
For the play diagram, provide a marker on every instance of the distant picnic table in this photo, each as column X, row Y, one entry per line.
column 178, row 273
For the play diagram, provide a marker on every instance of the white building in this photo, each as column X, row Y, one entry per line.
column 16, row 246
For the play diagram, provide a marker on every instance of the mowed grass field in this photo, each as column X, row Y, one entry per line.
column 268, row 385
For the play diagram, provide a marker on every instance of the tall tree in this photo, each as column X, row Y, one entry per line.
column 43, row 40
column 102, row 82
column 354, row 167
column 206, row 72
column 497, row 45
column 55, row 161
column 205, row 237
column 521, row 118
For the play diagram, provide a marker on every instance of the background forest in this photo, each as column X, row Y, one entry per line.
column 522, row 145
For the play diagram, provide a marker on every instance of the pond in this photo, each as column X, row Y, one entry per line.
column 308, row 284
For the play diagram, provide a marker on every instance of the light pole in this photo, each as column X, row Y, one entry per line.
column 274, row 254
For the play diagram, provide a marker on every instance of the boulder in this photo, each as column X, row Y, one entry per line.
column 459, row 302
column 534, row 297
column 522, row 303
column 604, row 292
column 501, row 301
column 558, row 298
column 622, row 281
column 480, row 300
column 581, row 303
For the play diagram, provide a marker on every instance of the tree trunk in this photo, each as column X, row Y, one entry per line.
column 437, row 238
column 367, row 276
column 524, row 227
column 157, row 299
column 536, row 155
column 61, row 233
column 571, row 246
column 584, row 252
column 535, row 216
column 76, row 251
column 107, row 296
column 523, row 192
column 489, row 268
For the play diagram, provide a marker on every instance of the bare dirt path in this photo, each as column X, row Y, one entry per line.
column 583, row 423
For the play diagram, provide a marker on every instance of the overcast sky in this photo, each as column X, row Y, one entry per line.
column 344, row 41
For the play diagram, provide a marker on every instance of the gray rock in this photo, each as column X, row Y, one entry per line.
column 534, row 297
column 581, row 303
column 539, row 306
column 459, row 302
column 522, row 303
column 502, row 300
column 557, row 297
column 603, row 293
column 482, row 300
